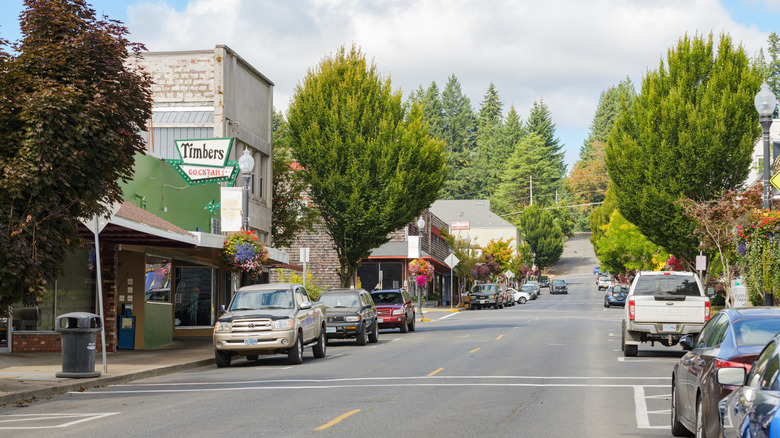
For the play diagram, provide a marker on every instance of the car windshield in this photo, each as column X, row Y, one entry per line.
column 340, row 300
column 533, row 282
column 756, row 331
column 484, row 288
column 262, row 299
column 618, row 290
column 558, row 283
column 527, row 288
column 387, row 298
column 677, row 285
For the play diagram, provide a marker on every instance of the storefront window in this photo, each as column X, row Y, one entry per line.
column 193, row 296
column 380, row 276
column 74, row 291
column 158, row 279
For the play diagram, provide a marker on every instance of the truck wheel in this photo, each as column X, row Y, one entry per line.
column 319, row 347
column 295, row 354
column 630, row 351
column 373, row 336
column 360, row 339
column 222, row 358
column 404, row 325
column 411, row 323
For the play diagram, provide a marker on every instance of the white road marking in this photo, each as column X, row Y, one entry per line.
column 80, row 418
column 447, row 316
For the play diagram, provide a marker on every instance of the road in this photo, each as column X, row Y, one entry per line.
column 552, row 367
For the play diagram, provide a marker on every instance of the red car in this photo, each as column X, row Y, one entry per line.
column 394, row 309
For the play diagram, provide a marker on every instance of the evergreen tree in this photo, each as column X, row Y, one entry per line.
column 540, row 121
column 433, row 112
column 527, row 161
column 609, row 107
column 542, row 234
column 489, row 143
column 773, row 77
column 459, row 127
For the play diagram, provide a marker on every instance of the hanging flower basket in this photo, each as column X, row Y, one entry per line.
column 242, row 252
column 421, row 270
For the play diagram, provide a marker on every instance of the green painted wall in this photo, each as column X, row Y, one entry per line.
column 167, row 195
column 158, row 324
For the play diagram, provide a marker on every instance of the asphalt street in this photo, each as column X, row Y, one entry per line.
column 551, row 367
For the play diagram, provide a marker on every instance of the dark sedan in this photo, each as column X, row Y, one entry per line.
column 753, row 410
column 733, row 338
column 615, row 295
column 395, row 308
column 559, row 287
column 351, row 313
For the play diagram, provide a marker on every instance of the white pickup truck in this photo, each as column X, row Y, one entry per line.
column 662, row 307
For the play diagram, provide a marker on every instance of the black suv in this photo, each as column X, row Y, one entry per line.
column 544, row 281
column 351, row 313
column 559, row 287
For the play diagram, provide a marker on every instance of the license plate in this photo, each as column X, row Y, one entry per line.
column 330, row 330
column 380, row 320
column 670, row 327
column 250, row 341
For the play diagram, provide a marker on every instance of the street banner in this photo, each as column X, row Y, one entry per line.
column 413, row 249
column 230, row 208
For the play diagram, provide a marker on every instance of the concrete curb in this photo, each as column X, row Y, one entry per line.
column 82, row 385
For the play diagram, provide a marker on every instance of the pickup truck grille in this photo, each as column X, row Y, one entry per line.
column 251, row 325
column 335, row 319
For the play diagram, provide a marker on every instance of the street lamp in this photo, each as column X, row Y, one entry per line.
column 420, row 228
column 766, row 102
column 246, row 163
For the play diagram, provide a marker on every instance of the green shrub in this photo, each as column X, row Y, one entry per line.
column 312, row 287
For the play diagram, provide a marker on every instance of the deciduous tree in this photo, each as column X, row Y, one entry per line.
column 370, row 168
column 70, row 113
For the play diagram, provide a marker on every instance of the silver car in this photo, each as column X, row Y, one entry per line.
column 530, row 290
column 536, row 286
column 523, row 296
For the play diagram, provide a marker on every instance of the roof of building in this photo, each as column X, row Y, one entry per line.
column 476, row 211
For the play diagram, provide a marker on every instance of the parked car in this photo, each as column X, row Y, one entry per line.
column 559, row 287
column 530, row 289
column 544, row 281
column 486, row 295
column 615, row 295
column 536, row 286
column 351, row 313
column 395, row 309
column 604, row 282
column 753, row 408
column 269, row 319
column 527, row 292
column 596, row 270
column 732, row 338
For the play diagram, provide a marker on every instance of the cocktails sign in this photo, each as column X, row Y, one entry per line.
column 205, row 160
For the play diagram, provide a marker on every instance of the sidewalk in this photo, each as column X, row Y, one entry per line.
column 29, row 376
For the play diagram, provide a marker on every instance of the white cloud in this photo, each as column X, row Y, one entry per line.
column 566, row 51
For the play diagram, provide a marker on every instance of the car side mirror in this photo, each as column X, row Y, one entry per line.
column 305, row 305
column 734, row 376
column 222, row 308
column 685, row 343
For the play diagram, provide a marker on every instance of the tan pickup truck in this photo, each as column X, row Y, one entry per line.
column 270, row 319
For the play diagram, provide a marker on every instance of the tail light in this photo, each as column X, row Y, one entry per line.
column 731, row 363
column 631, row 309
column 707, row 311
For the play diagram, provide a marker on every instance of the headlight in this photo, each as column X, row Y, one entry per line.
column 222, row 326
column 398, row 311
column 352, row 318
column 492, row 297
column 281, row 324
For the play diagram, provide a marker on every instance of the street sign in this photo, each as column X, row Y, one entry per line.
column 775, row 181
column 509, row 274
column 451, row 261
column 701, row 263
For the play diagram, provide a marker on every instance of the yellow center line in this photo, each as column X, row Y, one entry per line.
column 337, row 420
column 429, row 375
column 499, row 337
column 474, row 350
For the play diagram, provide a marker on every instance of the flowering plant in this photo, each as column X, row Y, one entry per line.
column 421, row 270
column 242, row 252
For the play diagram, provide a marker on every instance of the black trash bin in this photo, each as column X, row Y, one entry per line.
column 78, row 331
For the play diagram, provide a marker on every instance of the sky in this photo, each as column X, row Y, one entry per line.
column 564, row 52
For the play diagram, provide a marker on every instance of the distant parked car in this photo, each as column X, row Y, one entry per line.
column 350, row 313
column 530, row 289
column 732, row 338
column 486, row 295
column 604, row 282
column 559, row 287
column 544, row 281
column 536, row 286
column 519, row 297
column 395, row 309
column 615, row 295
column 596, row 270
column 753, row 408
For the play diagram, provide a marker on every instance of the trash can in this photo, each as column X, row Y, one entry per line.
column 78, row 331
